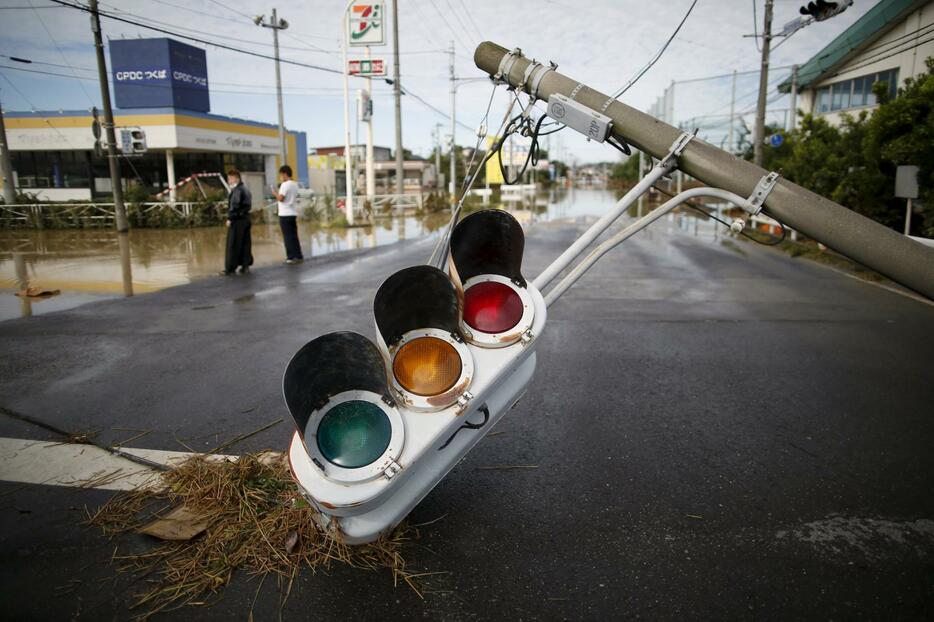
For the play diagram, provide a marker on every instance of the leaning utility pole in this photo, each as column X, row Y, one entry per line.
column 859, row 238
column 6, row 164
column 453, row 183
column 759, row 133
column 397, row 93
column 115, row 181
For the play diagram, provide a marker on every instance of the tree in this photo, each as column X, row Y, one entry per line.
column 855, row 164
column 626, row 171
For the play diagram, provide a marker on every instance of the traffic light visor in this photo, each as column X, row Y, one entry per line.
column 488, row 242
column 414, row 298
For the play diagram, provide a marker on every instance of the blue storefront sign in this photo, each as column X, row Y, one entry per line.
column 153, row 73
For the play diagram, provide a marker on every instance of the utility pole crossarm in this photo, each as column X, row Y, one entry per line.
column 863, row 240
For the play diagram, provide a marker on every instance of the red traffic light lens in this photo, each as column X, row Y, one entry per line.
column 492, row 307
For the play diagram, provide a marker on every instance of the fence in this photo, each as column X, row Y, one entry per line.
column 92, row 213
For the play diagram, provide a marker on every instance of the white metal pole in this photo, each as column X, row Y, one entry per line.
column 348, row 166
column 170, row 173
column 453, row 183
column 397, row 94
column 370, row 173
column 908, row 218
column 729, row 143
column 641, row 169
column 581, row 243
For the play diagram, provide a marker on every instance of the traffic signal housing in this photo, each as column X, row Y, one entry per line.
column 823, row 9
column 379, row 425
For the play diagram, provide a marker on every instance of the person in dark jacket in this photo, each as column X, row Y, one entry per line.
column 239, row 244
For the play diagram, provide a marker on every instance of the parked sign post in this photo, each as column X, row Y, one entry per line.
column 906, row 187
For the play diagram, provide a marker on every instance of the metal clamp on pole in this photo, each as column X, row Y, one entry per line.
column 761, row 192
column 536, row 80
column 506, row 65
column 677, row 148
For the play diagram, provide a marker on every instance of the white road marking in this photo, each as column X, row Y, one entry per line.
column 82, row 466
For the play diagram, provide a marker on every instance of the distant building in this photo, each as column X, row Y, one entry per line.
column 161, row 87
column 326, row 171
column 888, row 44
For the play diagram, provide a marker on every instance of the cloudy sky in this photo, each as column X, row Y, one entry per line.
column 602, row 43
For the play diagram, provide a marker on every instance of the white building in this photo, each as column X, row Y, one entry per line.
column 888, row 44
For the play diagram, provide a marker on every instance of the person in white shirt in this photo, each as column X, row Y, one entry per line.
column 287, row 198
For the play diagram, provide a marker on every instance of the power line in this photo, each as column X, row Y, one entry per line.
column 621, row 91
column 444, row 19
column 873, row 59
column 324, row 91
column 198, row 40
column 64, row 58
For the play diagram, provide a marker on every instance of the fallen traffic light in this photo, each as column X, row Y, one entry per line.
column 378, row 426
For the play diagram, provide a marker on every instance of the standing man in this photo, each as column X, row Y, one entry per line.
column 287, row 196
column 239, row 243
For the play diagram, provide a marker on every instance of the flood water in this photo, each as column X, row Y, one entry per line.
column 87, row 264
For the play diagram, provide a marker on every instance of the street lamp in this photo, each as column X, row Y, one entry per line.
column 276, row 25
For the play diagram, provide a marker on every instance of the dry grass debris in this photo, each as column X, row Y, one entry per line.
column 251, row 518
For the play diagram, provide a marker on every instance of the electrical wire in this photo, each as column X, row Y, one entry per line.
column 658, row 55
column 703, row 211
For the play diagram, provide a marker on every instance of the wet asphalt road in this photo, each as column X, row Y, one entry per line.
column 721, row 431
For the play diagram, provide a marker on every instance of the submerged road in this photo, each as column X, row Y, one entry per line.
column 720, row 431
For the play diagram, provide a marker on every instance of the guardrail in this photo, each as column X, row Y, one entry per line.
column 33, row 214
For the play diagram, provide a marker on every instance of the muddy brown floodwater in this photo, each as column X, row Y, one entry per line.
column 87, row 264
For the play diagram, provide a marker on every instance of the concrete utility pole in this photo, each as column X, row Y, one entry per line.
column 730, row 145
column 452, row 184
column 863, row 240
column 794, row 98
column 6, row 164
column 397, row 93
column 759, row 133
column 438, row 183
column 117, row 184
column 276, row 25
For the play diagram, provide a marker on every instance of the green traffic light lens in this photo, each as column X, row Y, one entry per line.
column 354, row 434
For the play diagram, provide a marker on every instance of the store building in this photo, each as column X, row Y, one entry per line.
column 160, row 87
column 326, row 171
column 888, row 44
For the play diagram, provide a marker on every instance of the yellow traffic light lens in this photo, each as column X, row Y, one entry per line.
column 427, row 366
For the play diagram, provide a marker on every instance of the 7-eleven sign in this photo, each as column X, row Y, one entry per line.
column 366, row 24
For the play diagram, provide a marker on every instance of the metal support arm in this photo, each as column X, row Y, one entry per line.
column 605, row 247
column 662, row 168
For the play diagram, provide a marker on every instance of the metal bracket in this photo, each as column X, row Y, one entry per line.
column 529, row 70
column 505, row 66
column 677, row 148
column 527, row 337
column 761, row 192
column 537, row 78
column 462, row 401
column 391, row 469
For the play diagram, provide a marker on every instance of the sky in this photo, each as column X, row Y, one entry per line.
column 602, row 43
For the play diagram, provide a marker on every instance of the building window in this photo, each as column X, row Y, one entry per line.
column 855, row 93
